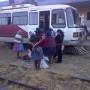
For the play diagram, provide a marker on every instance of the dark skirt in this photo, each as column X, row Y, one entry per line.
column 49, row 51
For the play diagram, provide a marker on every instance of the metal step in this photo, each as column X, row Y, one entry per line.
column 82, row 51
column 75, row 50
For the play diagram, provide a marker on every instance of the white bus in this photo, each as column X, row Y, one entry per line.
column 29, row 17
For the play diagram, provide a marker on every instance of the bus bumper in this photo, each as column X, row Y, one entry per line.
column 73, row 42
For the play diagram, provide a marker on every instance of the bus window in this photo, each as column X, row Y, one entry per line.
column 75, row 17
column 5, row 18
column 72, row 18
column 33, row 18
column 20, row 18
column 58, row 18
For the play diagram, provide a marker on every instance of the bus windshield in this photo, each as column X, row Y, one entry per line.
column 73, row 19
column 58, row 18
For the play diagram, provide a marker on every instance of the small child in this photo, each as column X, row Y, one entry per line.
column 37, row 52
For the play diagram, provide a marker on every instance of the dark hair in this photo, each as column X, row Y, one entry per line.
column 34, row 38
column 39, row 30
column 59, row 31
column 49, row 32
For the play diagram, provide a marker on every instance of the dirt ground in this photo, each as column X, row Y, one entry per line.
column 72, row 74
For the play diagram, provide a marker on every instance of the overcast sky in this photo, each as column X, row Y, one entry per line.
column 3, row 0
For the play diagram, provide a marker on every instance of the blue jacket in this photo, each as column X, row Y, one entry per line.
column 37, row 53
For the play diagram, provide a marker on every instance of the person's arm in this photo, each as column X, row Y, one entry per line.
column 56, row 39
column 38, row 42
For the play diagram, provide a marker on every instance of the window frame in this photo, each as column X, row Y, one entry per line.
column 6, row 16
column 30, row 19
column 68, row 18
column 26, row 16
column 64, row 19
column 73, row 18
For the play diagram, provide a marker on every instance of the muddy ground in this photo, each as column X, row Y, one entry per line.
column 72, row 74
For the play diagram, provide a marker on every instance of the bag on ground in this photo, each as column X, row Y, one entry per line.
column 43, row 64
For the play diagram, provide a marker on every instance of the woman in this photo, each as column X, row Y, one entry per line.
column 37, row 53
column 59, row 45
column 49, row 46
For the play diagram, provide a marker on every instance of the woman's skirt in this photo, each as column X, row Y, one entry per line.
column 18, row 47
column 49, row 51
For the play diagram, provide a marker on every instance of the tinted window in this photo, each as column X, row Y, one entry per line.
column 20, row 18
column 5, row 19
column 33, row 18
column 58, row 18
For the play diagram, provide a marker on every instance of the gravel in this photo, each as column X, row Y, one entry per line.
column 72, row 74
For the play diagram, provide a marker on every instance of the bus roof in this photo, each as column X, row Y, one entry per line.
column 49, row 7
column 16, row 6
column 33, row 7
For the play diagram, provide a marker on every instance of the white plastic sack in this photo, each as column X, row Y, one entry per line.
column 29, row 53
column 45, row 58
column 43, row 64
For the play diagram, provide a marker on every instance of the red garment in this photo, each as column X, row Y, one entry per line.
column 48, row 42
column 42, row 43
column 42, row 39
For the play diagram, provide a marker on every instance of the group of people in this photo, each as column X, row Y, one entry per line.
column 41, row 44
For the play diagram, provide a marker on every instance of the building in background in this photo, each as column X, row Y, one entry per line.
column 83, row 7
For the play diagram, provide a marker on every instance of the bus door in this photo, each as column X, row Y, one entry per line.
column 44, row 20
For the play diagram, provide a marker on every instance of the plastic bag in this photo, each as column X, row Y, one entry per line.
column 45, row 58
column 43, row 64
column 29, row 53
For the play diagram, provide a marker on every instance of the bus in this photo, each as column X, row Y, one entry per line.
column 29, row 17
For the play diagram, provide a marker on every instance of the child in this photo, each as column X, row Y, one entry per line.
column 37, row 53
column 18, row 46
